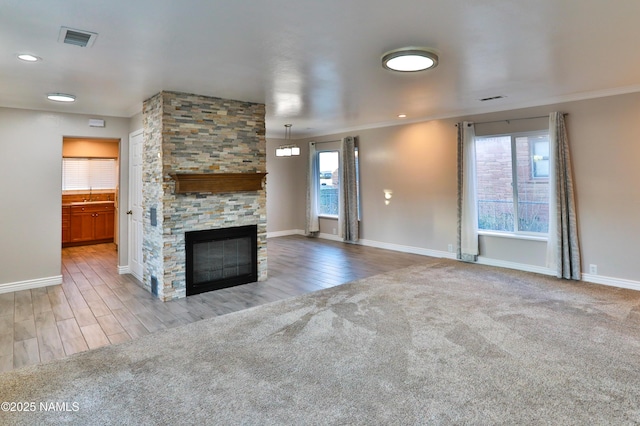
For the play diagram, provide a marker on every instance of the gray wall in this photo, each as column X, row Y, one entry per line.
column 285, row 188
column 135, row 122
column 31, row 175
column 418, row 162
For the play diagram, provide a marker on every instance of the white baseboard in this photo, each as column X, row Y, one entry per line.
column 370, row 243
column 124, row 269
column 514, row 265
column 408, row 249
column 29, row 284
column 595, row 279
column 330, row 237
column 589, row 278
column 285, row 233
column 612, row 282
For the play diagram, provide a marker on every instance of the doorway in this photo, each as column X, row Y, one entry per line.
column 90, row 191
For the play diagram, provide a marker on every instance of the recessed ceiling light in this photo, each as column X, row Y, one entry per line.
column 409, row 59
column 61, row 97
column 28, row 58
column 402, row 115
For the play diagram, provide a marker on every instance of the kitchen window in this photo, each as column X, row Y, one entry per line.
column 89, row 174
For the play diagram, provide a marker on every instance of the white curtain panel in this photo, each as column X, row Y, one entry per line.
column 312, row 226
column 563, row 248
column 348, row 200
column 467, row 197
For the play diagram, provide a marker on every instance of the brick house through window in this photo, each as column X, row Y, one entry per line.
column 512, row 183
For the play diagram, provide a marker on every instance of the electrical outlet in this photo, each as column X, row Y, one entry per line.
column 450, row 248
column 593, row 269
column 154, row 285
column 335, row 231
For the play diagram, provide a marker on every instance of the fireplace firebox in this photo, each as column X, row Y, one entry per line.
column 221, row 258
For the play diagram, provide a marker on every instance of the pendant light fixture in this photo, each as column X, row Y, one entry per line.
column 287, row 150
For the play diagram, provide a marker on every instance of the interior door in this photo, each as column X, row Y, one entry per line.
column 135, row 204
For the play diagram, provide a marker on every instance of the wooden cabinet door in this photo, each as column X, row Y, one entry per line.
column 66, row 222
column 92, row 223
column 103, row 225
column 82, row 224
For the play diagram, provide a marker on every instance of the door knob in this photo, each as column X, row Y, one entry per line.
column 130, row 212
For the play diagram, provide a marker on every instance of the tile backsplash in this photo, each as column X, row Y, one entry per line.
column 78, row 197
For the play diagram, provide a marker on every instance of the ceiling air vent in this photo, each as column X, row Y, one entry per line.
column 492, row 98
column 77, row 37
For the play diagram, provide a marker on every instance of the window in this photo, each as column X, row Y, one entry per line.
column 329, row 183
column 512, row 183
column 88, row 173
column 540, row 158
column 328, row 162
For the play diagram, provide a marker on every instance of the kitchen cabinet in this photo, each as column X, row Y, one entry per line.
column 66, row 217
column 91, row 223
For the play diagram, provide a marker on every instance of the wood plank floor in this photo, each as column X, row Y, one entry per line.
column 95, row 306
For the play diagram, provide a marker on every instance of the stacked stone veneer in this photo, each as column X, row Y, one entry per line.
column 186, row 133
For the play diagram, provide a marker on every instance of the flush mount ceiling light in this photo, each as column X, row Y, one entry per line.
column 61, row 97
column 409, row 59
column 28, row 57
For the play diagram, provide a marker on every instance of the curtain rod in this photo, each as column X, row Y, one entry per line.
column 514, row 119
column 325, row 142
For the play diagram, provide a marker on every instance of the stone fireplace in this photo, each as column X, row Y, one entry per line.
column 198, row 136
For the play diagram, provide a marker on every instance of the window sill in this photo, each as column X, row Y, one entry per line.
column 513, row 236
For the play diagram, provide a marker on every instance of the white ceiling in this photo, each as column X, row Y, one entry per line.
column 316, row 63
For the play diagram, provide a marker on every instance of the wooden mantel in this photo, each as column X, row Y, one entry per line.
column 217, row 182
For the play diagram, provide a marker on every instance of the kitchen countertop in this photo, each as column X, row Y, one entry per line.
column 83, row 203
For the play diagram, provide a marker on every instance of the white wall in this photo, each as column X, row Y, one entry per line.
column 418, row 162
column 31, row 173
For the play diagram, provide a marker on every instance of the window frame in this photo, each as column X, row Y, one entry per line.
column 358, row 192
column 516, row 233
column 533, row 161
column 318, row 153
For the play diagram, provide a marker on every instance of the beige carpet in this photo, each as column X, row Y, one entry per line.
column 445, row 343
